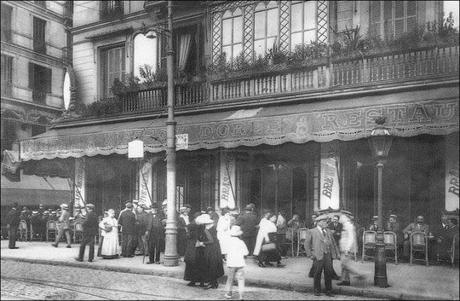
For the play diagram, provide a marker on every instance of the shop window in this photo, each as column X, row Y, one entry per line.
column 344, row 15
column 145, row 54
column 111, row 9
column 39, row 82
column 112, row 67
column 232, row 34
column 303, row 23
column 266, row 24
column 390, row 19
column 39, row 43
column 7, row 75
column 6, row 22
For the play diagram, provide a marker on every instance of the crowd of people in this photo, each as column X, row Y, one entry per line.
column 207, row 240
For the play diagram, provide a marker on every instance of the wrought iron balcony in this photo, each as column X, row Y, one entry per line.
column 386, row 69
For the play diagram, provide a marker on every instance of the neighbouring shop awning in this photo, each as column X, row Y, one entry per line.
column 408, row 114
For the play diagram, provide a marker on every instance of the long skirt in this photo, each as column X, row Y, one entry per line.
column 110, row 246
column 195, row 264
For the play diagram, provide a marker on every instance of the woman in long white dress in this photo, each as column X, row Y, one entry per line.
column 267, row 235
column 223, row 229
column 109, row 230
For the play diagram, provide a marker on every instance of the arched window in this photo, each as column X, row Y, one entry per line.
column 266, row 24
column 145, row 53
column 303, row 23
column 232, row 33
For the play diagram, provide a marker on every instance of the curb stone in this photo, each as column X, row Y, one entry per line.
column 350, row 291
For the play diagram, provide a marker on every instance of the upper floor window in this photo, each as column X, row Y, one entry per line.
column 111, row 9
column 6, row 22
column 41, row 3
column 7, row 75
column 39, row 35
column 232, row 34
column 392, row 18
column 187, row 44
column 265, row 27
column 112, row 67
column 39, row 82
column 303, row 23
column 145, row 53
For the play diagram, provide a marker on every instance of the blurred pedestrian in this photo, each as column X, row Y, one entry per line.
column 236, row 251
column 141, row 225
column 90, row 229
column 127, row 220
column 63, row 226
column 223, row 229
column 182, row 221
column 109, row 232
column 12, row 223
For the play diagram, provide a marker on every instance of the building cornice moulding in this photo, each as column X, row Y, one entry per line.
column 17, row 50
column 20, row 103
column 37, row 10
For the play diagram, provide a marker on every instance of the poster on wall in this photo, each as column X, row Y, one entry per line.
column 329, row 185
column 145, row 184
column 452, row 182
column 80, row 181
column 227, row 180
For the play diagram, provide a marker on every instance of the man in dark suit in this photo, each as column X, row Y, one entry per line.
column 12, row 221
column 127, row 220
column 248, row 222
column 320, row 246
column 90, row 229
column 155, row 235
column 336, row 228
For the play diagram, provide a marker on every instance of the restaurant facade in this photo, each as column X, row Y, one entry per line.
column 287, row 139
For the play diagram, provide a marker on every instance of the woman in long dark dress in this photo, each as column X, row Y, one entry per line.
column 195, row 263
column 212, row 254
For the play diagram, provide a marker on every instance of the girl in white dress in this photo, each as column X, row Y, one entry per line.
column 109, row 230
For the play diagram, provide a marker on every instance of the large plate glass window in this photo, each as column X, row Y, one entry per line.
column 266, row 25
column 303, row 23
column 232, row 37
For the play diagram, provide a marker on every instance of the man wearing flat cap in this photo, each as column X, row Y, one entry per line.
column 127, row 220
column 63, row 226
column 321, row 247
column 90, row 230
column 248, row 221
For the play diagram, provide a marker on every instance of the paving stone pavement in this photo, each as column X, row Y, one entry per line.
column 69, row 283
column 406, row 282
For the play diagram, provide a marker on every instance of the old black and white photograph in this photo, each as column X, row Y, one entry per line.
column 230, row 150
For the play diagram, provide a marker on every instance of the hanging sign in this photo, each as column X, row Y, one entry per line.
column 136, row 149
column 145, row 184
column 80, row 181
column 452, row 181
column 227, row 180
column 181, row 141
column 329, row 185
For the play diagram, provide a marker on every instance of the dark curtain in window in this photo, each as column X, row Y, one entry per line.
column 6, row 22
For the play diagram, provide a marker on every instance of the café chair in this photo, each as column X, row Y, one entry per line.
column 368, row 243
column 51, row 230
column 418, row 243
column 301, row 236
column 389, row 237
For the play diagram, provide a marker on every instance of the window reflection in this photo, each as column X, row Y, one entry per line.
column 145, row 53
column 303, row 23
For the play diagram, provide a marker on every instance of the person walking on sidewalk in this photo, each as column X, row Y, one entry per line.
column 63, row 226
column 127, row 220
column 320, row 246
column 248, row 222
column 236, row 251
column 90, row 229
column 348, row 246
column 12, row 223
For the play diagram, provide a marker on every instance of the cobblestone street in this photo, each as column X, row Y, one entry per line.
column 21, row 280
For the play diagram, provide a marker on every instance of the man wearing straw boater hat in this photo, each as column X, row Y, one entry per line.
column 63, row 226
column 320, row 246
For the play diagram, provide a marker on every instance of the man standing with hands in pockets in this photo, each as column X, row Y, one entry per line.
column 321, row 247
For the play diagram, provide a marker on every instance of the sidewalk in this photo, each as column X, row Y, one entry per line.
column 406, row 282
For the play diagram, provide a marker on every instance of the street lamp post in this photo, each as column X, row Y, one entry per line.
column 380, row 144
column 170, row 256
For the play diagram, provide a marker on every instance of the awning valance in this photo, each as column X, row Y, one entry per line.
column 299, row 123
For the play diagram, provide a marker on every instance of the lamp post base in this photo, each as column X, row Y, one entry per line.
column 380, row 273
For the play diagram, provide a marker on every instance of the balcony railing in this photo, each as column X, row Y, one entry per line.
column 339, row 74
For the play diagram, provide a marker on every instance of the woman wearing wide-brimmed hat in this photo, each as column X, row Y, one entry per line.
column 212, row 254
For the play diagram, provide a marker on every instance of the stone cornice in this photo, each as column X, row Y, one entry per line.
column 22, row 103
column 29, row 53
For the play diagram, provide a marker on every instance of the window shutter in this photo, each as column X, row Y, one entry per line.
column 47, row 80
column 31, row 75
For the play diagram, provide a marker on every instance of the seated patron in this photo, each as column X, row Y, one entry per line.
column 336, row 228
column 418, row 226
column 375, row 224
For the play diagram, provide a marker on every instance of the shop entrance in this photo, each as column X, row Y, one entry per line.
column 279, row 178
